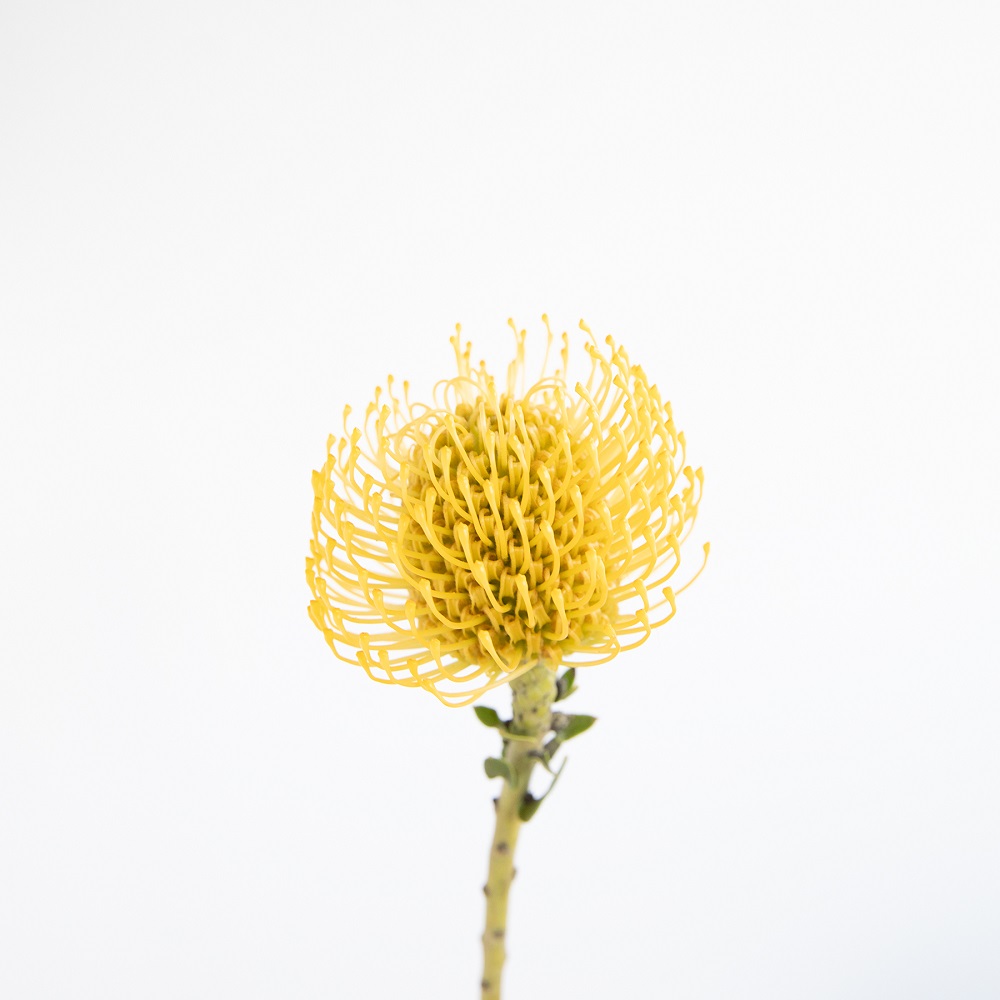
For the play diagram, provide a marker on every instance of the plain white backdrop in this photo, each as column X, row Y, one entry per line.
column 221, row 222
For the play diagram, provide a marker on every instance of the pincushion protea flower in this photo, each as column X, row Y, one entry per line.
column 496, row 535
column 458, row 545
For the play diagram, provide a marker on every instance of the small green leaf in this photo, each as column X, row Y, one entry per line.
column 577, row 724
column 564, row 684
column 488, row 716
column 495, row 767
column 545, row 755
column 529, row 806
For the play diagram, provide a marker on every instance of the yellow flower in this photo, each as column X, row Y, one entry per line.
column 457, row 545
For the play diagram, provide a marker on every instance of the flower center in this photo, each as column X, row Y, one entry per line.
column 503, row 524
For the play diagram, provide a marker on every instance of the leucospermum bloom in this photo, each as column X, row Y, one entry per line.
column 457, row 545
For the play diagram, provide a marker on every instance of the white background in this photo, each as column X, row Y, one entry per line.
column 220, row 222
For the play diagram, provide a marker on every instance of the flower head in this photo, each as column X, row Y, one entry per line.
column 457, row 545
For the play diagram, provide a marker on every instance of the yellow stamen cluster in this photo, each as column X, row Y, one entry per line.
column 456, row 546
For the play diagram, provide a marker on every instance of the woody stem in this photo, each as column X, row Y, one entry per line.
column 533, row 695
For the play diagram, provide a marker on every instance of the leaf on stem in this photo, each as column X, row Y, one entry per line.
column 577, row 724
column 564, row 684
column 496, row 767
column 529, row 804
column 488, row 717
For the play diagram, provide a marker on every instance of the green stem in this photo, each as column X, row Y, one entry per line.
column 533, row 695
